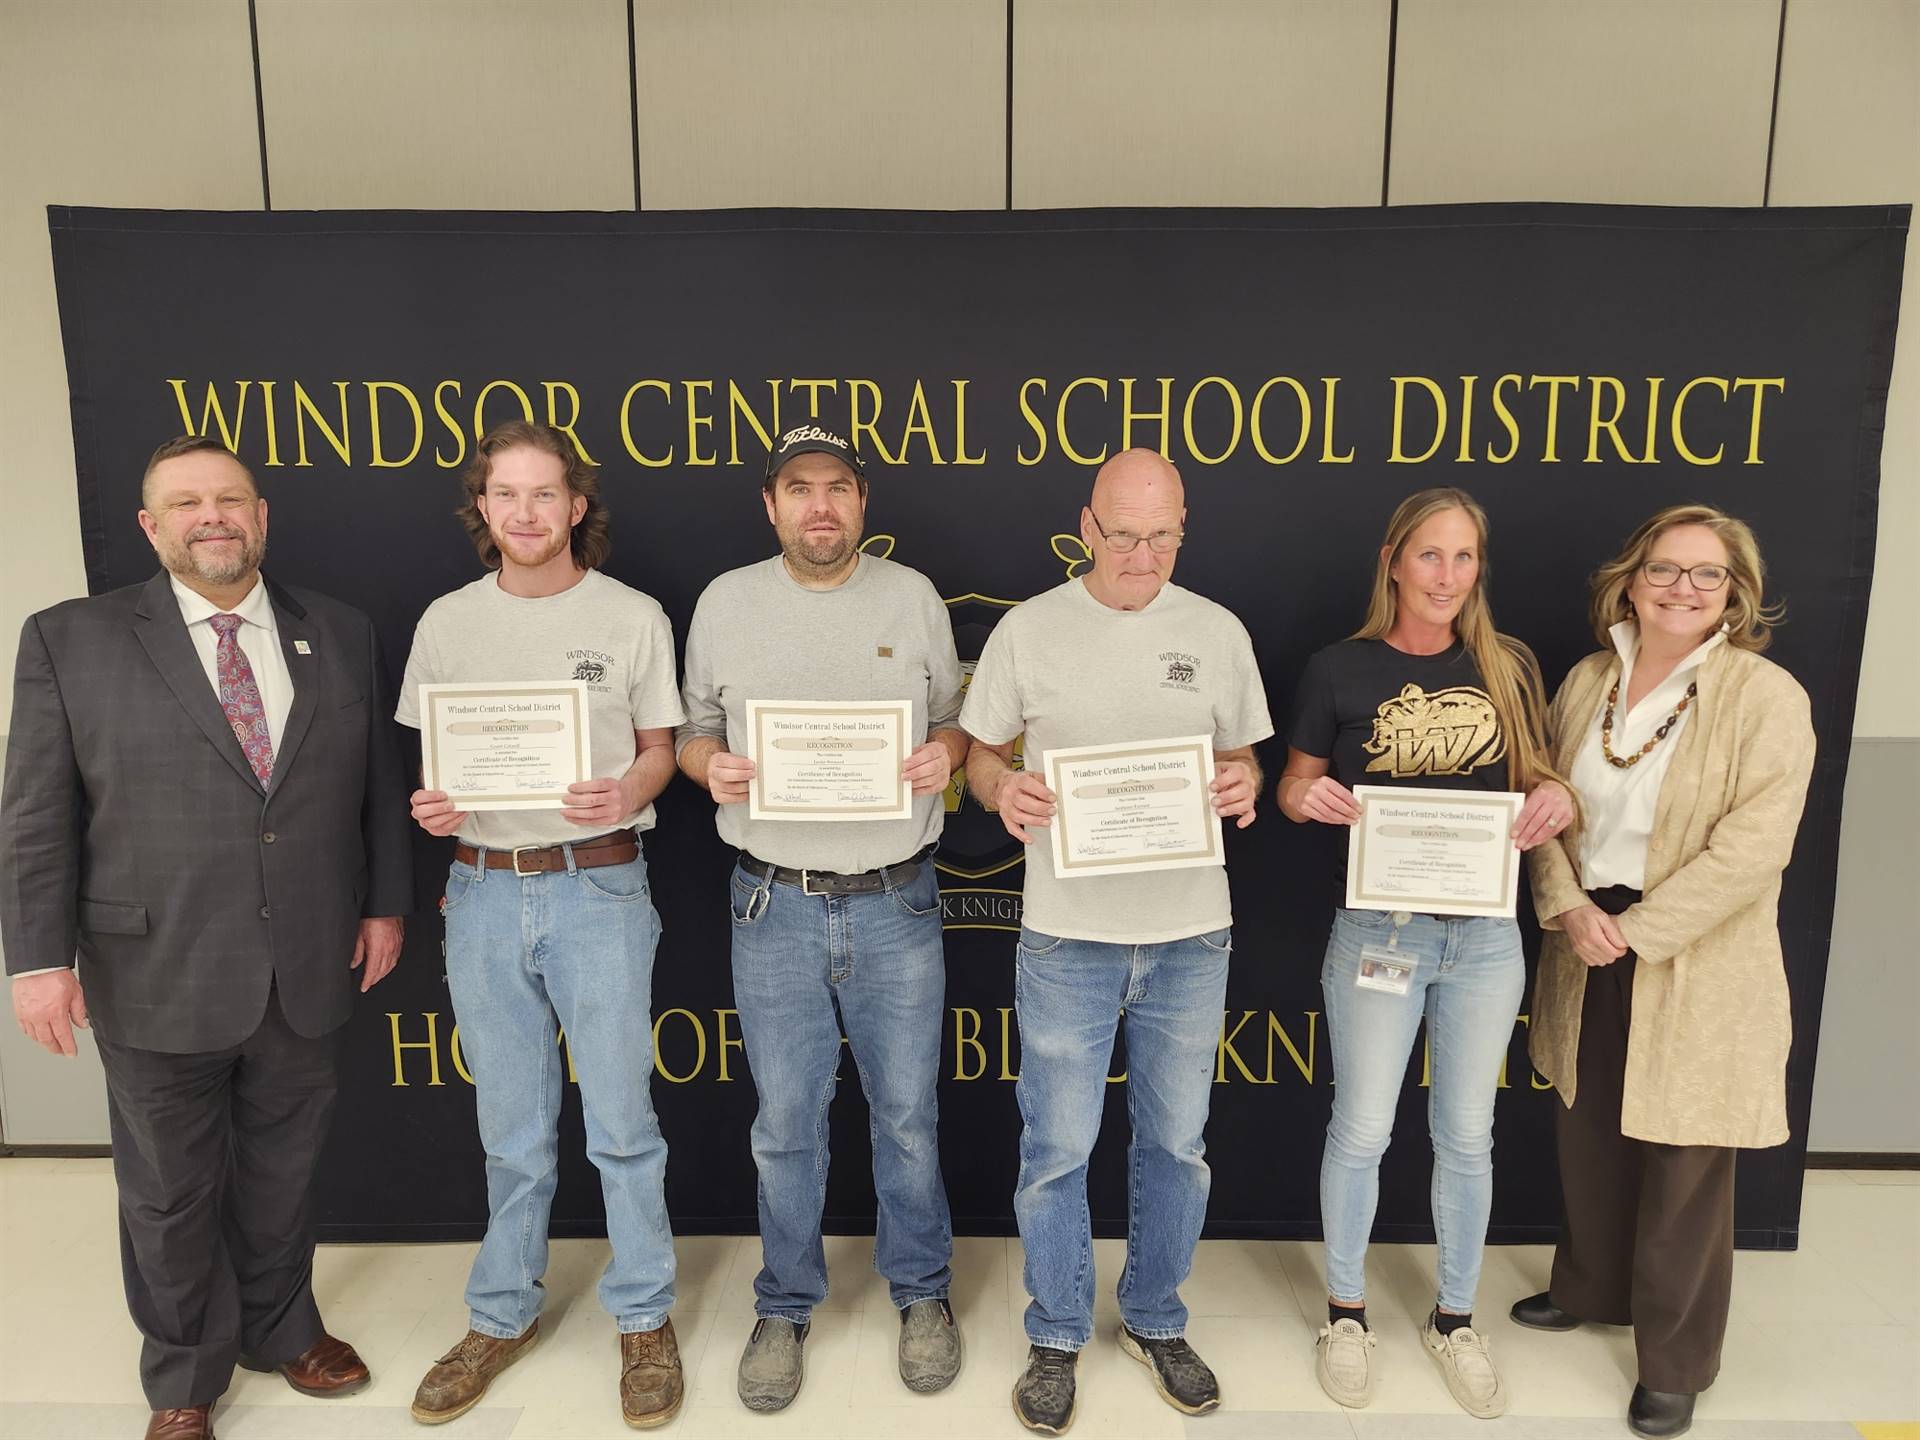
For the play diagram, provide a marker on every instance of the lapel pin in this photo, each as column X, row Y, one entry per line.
column 301, row 647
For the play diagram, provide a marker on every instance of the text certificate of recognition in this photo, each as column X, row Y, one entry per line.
column 1441, row 852
column 1122, row 809
column 828, row 759
column 505, row 747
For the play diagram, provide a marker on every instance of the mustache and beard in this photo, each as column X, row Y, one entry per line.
column 528, row 551
column 822, row 554
column 214, row 565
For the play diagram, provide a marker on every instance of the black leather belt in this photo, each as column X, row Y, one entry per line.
column 827, row 882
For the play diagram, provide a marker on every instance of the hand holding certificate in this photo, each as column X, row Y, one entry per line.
column 1441, row 852
column 829, row 760
column 1122, row 809
column 505, row 747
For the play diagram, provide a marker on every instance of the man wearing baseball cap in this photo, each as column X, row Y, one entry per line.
column 833, row 916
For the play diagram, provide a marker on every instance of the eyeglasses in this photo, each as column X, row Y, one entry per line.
column 1122, row 542
column 1664, row 573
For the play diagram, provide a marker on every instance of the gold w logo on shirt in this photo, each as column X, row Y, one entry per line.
column 1450, row 732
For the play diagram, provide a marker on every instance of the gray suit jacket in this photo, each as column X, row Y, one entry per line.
column 138, row 838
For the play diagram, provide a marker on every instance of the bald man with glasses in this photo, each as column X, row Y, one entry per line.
column 1119, row 655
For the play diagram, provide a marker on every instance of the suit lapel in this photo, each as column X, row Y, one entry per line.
column 305, row 670
column 163, row 634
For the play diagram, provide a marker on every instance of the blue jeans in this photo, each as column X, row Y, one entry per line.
column 880, row 961
column 523, row 952
column 1467, row 985
column 1070, row 995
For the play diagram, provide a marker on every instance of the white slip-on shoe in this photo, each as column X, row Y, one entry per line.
column 1467, row 1367
column 1344, row 1362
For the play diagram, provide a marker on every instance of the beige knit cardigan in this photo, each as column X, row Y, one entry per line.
column 1707, row 1046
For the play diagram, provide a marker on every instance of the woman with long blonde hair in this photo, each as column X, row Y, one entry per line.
column 1427, row 693
column 1661, row 1011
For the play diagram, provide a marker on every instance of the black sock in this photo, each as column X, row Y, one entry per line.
column 1337, row 1313
column 1446, row 1324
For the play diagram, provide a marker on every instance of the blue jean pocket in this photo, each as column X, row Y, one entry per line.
column 748, row 899
column 460, row 882
column 1364, row 919
column 616, row 882
column 920, row 896
column 1038, row 945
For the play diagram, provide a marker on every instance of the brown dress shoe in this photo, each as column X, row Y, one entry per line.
column 460, row 1377
column 651, row 1386
column 188, row 1422
column 325, row 1369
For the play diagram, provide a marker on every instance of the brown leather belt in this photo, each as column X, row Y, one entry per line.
column 616, row 848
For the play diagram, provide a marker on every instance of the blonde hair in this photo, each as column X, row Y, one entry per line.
column 1507, row 667
column 1749, row 618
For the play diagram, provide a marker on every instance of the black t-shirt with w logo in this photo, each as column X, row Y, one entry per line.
column 1383, row 717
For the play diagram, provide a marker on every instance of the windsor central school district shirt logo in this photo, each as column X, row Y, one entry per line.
column 592, row 666
column 1181, row 670
column 1450, row 732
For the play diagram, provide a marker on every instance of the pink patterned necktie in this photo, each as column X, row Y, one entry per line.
column 240, row 696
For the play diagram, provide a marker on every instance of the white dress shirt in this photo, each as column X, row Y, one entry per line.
column 259, row 641
column 1620, row 804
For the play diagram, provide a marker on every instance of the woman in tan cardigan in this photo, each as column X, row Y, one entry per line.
column 1661, row 1009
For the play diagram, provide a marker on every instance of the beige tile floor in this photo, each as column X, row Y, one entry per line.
column 1825, row 1342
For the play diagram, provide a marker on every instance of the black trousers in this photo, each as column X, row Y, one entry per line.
column 1647, row 1234
column 214, row 1154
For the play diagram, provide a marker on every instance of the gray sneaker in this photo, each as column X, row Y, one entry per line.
column 929, row 1346
column 1043, row 1395
column 773, row 1364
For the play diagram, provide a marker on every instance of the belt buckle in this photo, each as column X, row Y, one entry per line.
column 520, row 850
column 806, row 884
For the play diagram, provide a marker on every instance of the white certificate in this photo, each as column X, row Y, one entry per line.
column 1440, row 852
column 829, row 759
column 1121, row 809
column 505, row 747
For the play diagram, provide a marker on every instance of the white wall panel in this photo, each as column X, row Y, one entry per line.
column 1198, row 102
column 893, row 104
column 1650, row 102
column 1849, row 132
column 113, row 102
column 447, row 104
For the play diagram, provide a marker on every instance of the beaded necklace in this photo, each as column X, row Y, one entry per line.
column 1606, row 727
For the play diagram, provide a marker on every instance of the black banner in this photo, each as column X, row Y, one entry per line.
column 1574, row 367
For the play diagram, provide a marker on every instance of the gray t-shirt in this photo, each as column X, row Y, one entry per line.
column 1066, row 670
column 600, row 631
column 759, row 634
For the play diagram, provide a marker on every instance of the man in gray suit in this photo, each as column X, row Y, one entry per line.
column 204, row 803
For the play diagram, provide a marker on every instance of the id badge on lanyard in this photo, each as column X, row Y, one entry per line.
column 1388, row 968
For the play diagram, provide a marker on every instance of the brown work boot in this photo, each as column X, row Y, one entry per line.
column 325, row 1369
column 460, row 1377
column 187, row 1422
column 651, row 1385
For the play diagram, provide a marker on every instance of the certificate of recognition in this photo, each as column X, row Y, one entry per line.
column 829, row 759
column 1441, row 852
column 1122, row 809
column 505, row 747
